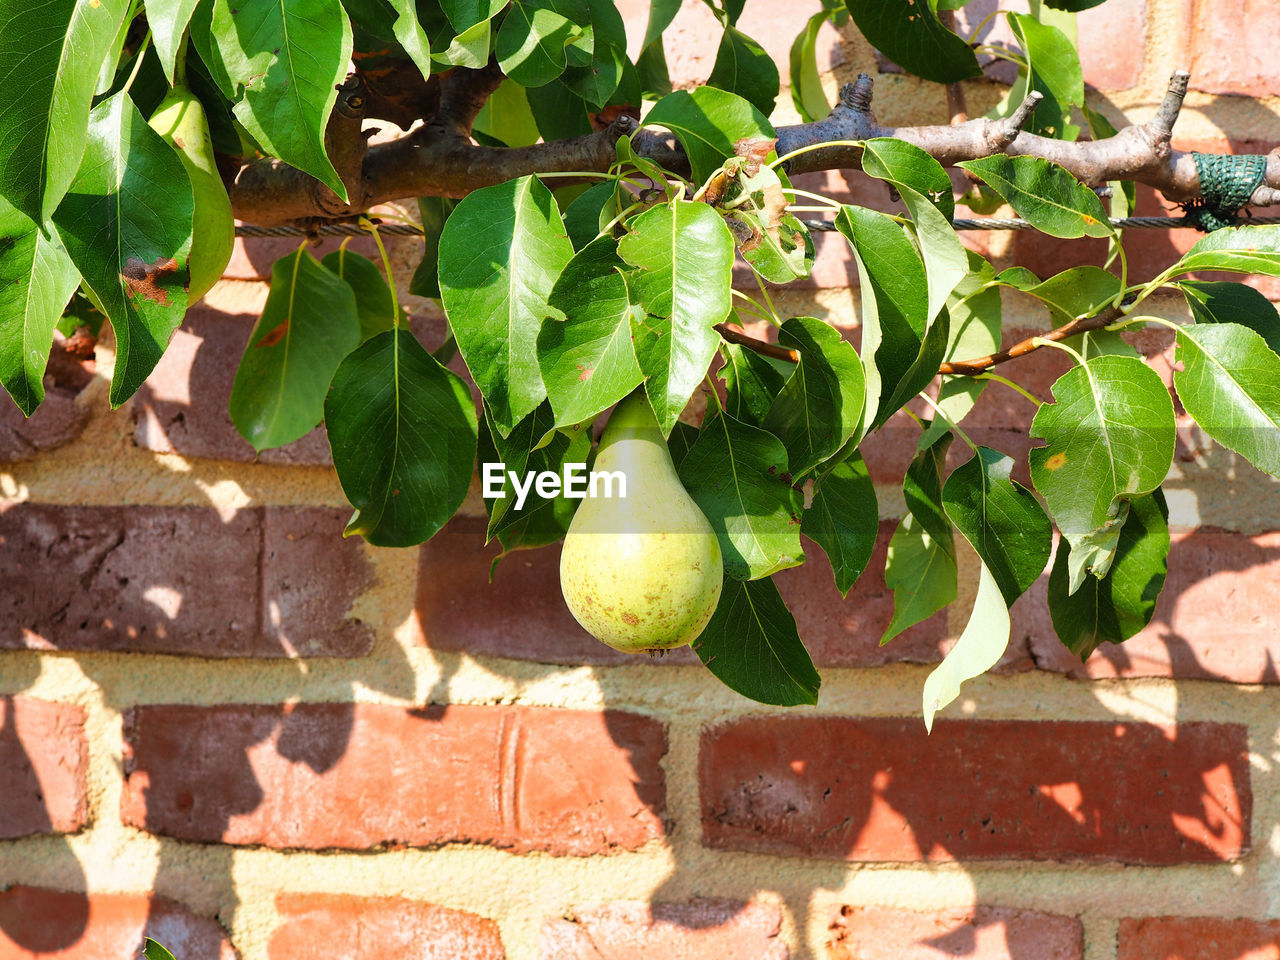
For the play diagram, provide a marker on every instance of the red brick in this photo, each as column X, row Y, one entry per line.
column 59, row 419
column 1198, row 938
column 520, row 615
column 43, row 757
column 267, row 582
column 316, row 776
column 323, row 926
column 182, row 407
column 1232, row 47
column 979, row 933
column 1112, row 41
column 36, row 922
column 698, row 930
column 883, row 790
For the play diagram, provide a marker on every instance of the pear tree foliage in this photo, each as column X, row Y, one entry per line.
column 591, row 233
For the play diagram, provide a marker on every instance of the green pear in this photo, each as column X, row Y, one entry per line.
column 641, row 572
column 181, row 120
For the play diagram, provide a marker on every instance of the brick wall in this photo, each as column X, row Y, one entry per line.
column 225, row 726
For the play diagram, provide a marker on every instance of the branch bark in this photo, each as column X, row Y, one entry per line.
column 440, row 160
column 963, row 368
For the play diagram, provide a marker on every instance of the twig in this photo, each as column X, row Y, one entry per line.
column 957, row 108
column 963, row 368
column 1081, row 325
column 762, row 347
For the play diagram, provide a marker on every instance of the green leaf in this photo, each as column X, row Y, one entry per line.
column 751, row 646
column 587, row 359
column 309, row 324
column 410, row 35
column 1225, row 302
column 906, row 165
column 651, row 67
column 1050, row 198
column 403, row 433
column 533, row 446
column 1073, row 6
column 559, row 111
column 464, row 14
column 1001, row 518
column 980, row 647
column 807, row 95
column 820, row 406
column 126, row 224
column 1236, row 249
column 708, row 122
column 681, row 441
column 50, row 55
column 375, row 305
column 532, row 40
column 744, row 67
column 1078, row 292
column 661, row 13
column 288, row 57
column 507, row 117
column 737, row 474
column 910, row 34
column 1230, row 384
column 921, row 566
column 154, row 951
column 844, row 519
column 469, row 49
column 433, row 211
column 1054, row 70
column 923, row 368
column 921, row 572
column 894, row 301
column 500, row 253
column 1110, row 437
column 751, row 382
column 683, row 255
column 168, row 21
column 582, row 218
column 1112, row 609
column 37, row 278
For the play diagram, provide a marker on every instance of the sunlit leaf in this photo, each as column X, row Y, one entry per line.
column 126, row 224
column 500, row 253
column 980, row 647
column 1230, row 384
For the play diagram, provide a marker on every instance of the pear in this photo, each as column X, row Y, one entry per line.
column 641, row 572
column 181, row 120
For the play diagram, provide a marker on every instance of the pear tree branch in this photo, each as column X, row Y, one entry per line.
column 439, row 158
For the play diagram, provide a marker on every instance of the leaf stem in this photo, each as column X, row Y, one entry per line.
column 1058, row 344
column 137, row 62
column 386, row 267
column 1016, row 387
column 955, row 427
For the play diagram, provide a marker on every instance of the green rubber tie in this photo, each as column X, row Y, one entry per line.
column 1227, row 183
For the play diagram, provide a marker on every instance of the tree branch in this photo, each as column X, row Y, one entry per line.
column 439, row 160
column 963, row 368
